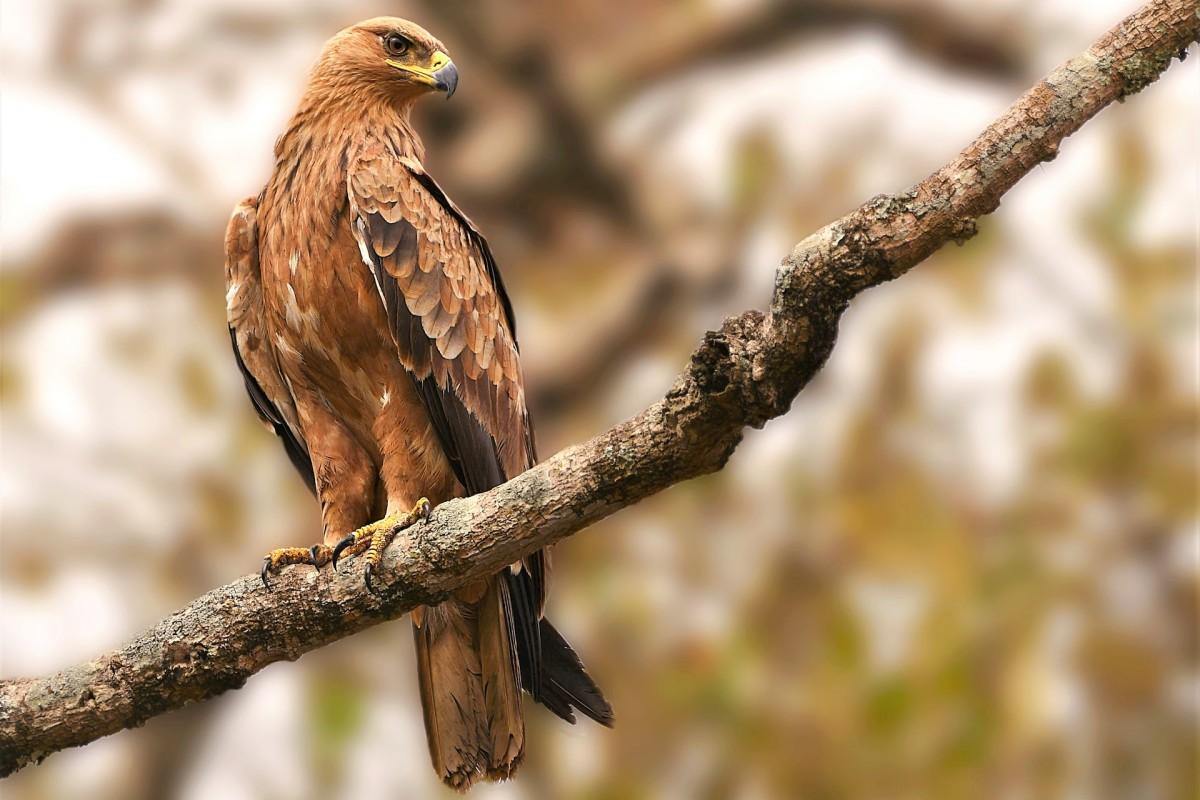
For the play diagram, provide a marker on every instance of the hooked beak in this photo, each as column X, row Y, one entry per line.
column 441, row 74
column 446, row 79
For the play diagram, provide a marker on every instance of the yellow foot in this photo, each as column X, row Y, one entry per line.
column 318, row 555
column 375, row 537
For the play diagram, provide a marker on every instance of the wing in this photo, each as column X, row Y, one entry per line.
column 249, row 333
column 453, row 326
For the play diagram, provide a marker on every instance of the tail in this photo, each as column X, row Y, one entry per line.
column 470, row 693
column 550, row 669
column 565, row 684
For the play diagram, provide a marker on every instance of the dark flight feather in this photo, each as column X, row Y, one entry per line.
column 297, row 453
column 565, row 682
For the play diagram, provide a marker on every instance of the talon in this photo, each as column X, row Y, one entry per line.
column 276, row 560
column 423, row 508
column 339, row 547
column 367, row 579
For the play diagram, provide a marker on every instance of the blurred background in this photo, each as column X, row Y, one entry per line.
column 965, row 565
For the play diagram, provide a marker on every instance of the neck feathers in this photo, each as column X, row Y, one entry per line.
column 313, row 154
column 334, row 117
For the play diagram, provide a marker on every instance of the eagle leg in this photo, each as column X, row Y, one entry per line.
column 318, row 555
column 373, row 538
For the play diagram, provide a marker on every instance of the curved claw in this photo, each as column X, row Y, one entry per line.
column 312, row 556
column 424, row 509
column 339, row 547
column 367, row 579
column 265, row 569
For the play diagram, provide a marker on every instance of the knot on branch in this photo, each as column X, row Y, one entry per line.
column 716, row 396
column 965, row 228
column 1141, row 69
column 179, row 656
column 724, row 371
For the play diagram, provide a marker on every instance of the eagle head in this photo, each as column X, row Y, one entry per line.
column 399, row 57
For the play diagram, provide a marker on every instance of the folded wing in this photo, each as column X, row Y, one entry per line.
column 453, row 327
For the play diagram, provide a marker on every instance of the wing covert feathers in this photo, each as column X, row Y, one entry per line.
column 445, row 301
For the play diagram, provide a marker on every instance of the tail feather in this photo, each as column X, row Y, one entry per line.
column 526, row 611
column 566, row 685
column 501, row 683
column 469, row 695
column 471, row 666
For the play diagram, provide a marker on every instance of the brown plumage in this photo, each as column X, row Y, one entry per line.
column 376, row 339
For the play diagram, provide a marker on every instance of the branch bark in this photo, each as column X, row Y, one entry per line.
column 745, row 374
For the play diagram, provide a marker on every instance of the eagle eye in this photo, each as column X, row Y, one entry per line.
column 395, row 44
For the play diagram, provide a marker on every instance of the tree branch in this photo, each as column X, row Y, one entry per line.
column 959, row 41
column 745, row 374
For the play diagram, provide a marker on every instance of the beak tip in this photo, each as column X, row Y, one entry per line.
column 447, row 79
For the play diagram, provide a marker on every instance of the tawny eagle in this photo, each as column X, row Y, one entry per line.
column 371, row 325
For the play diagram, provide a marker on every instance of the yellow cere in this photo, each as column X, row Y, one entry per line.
column 438, row 61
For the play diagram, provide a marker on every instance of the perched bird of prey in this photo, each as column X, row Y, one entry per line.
column 371, row 325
